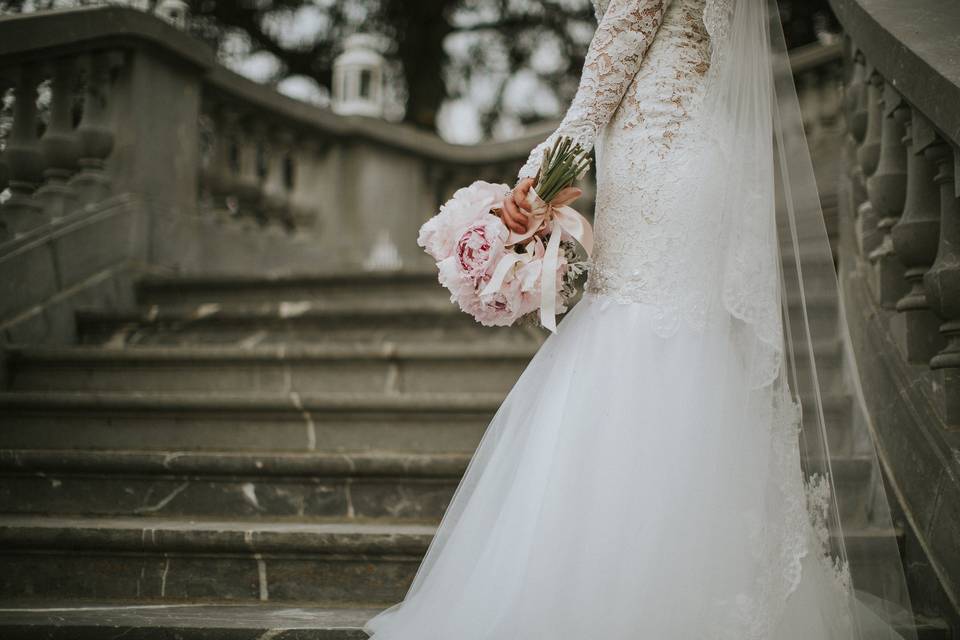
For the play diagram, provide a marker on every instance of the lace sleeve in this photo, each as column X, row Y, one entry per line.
column 623, row 35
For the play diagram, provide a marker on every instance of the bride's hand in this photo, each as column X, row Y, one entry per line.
column 515, row 207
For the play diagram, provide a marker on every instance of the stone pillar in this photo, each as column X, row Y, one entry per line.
column 59, row 144
column 942, row 280
column 886, row 189
column 25, row 164
column 155, row 152
column 915, row 237
column 94, row 132
column 868, row 157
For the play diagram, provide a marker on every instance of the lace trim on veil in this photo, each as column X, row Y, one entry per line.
column 794, row 526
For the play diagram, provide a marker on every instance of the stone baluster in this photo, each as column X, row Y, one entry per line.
column 855, row 111
column 868, row 156
column 249, row 174
column 855, row 99
column 887, row 189
column 59, row 143
column 229, row 136
column 217, row 171
column 5, row 233
column 24, row 161
column 942, row 280
column 915, row 238
column 278, row 181
column 95, row 133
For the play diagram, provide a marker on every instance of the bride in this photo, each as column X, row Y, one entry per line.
column 643, row 478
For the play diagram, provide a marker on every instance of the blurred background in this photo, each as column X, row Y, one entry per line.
column 472, row 70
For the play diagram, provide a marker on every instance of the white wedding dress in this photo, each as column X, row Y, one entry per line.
column 636, row 483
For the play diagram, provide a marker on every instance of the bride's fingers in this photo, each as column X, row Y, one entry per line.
column 512, row 217
column 520, row 193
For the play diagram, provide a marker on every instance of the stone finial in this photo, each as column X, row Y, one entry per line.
column 358, row 75
column 176, row 12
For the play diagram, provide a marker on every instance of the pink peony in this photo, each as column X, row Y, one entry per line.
column 439, row 235
column 480, row 247
column 469, row 244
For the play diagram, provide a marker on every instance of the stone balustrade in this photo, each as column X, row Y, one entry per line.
column 59, row 165
column 137, row 106
column 900, row 259
column 904, row 197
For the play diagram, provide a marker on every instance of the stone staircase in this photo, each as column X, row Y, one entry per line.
column 262, row 458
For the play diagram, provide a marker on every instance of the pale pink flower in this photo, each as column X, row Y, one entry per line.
column 481, row 246
column 439, row 235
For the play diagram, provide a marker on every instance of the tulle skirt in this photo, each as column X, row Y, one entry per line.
column 628, row 487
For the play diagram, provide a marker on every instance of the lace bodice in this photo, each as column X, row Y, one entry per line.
column 625, row 30
column 643, row 80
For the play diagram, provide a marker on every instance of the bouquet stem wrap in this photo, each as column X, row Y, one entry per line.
column 558, row 218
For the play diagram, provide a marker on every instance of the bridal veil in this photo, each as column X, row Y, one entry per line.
column 777, row 265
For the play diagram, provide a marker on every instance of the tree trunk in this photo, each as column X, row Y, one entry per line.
column 421, row 27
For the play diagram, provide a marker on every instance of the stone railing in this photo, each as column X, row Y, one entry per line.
column 146, row 154
column 900, row 255
column 150, row 155
column 160, row 118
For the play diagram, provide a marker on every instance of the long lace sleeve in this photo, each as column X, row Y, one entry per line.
column 623, row 35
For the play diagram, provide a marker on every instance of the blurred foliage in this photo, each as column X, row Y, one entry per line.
column 515, row 61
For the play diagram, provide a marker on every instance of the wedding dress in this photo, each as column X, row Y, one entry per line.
column 643, row 478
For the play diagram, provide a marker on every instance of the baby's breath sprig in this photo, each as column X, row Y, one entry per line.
column 562, row 165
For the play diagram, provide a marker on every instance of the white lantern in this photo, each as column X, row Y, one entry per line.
column 175, row 12
column 358, row 75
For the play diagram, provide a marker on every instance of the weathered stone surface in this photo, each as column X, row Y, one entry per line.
column 328, row 562
column 54, row 269
column 294, row 322
column 94, row 621
column 229, row 485
column 257, row 422
column 388, row 368
column 912, row 440
column 363, row 288
column 218, row 622
column 230, row 560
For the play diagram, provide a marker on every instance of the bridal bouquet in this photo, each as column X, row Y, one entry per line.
column 498, row 276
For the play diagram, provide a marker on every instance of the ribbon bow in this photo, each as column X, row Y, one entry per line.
column 562, row 219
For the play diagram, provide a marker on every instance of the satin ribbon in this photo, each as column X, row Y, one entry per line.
column 563, row 220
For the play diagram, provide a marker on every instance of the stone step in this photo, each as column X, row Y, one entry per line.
column 386, row 367
column 336, row 421
column 298, row 561
column 95, row 621
column 178, row 560
column 241, row 289
column 229, row 484
column 828, row 356
column 425, row 423
column 386, row 287
column 821, row 316
column 232, row 484
column 370, row 321
column 232, row 622
column 46, row 620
